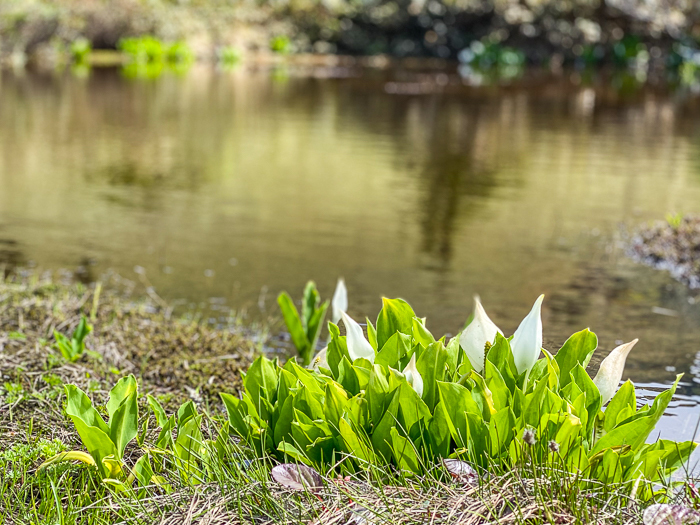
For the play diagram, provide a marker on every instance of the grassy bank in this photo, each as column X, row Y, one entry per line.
column 205, row 475
column 644, row 35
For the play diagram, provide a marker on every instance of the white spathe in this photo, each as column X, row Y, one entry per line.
column 474, row 337
column 340, row 301
column 320, row 360
column 358, row 346
column 413, row 376
column 527, row 340
column 610, row 372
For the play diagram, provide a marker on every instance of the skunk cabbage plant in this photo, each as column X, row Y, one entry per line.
column 402, row 396
column 304, row 329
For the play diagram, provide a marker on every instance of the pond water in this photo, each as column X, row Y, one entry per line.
column 227, row 188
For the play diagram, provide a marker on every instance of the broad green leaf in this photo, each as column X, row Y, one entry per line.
column 79, row 406
column 378, row 394
column 237, row 414
column 143, row 472
column 123, row 424
column 431, row 366
column 283, row 425
column 294, row 323
column 396, row 316
column 420, row 333
column 337, row 349
column 454, row 353
column 440, row 431
column 578, row 349
column 309, row 305
column 371, row 334
column 336, row 400
column 381, row 436
column 457, row 402
column 354, row 445
column 158, row 410
column 397, row 347
column 261, row 381
column 98, row 443
column 501, row 431
column 593, row 400
column 501, row 356
column 624, row 398
column 499, row 390
column 404, row 453
column 293, row 452
column 186, row 411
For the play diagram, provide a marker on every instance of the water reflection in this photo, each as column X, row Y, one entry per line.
column 503, row 191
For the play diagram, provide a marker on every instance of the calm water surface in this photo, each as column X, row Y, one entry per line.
column 229, row 187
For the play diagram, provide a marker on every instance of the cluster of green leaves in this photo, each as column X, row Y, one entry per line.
column 72, row 349
column 355, row 413
column 147, row 56
column 304, row 329
column 180, row 446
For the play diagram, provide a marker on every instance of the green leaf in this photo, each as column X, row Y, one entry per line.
column 625, row 397
column 396, row 316
column 294, row 453
column 283, row 425
column 143, row 472
column 261, row 381
column 79, row 406
column 309, row 305
column 578, row 349
column 354, row 445
column 498, row 387
column 431, row 366
column 335, row 403
column 454, row 352
column 294, row 323
column 378, row 394
column 123, row 424
column 593, row 399
column 337, row 349
column 420, row 333
column 457, row 402
column 501, row 356
column 404, row 453
column 440, row 431
column 501, row 429
column 158, row 410
column 237, row 414
column 396, row 348
column 371, row 334
column 635, row 432
column 92, row 431
column 314, row 329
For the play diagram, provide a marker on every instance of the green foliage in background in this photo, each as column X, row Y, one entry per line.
column 417, row 398
column 148, row 56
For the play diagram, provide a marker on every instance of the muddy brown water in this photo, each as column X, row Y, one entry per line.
column 227, row 187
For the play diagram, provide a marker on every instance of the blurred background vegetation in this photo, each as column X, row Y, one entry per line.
column 644, row 33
